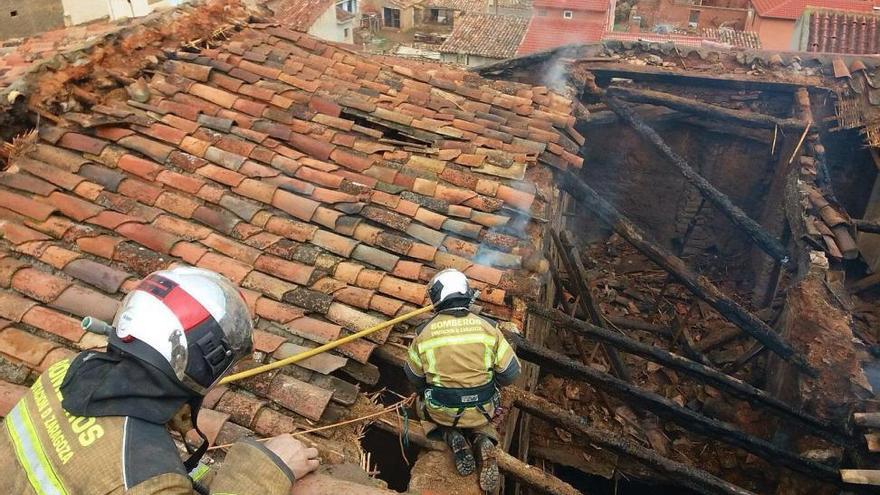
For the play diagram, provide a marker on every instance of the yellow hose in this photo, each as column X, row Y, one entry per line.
column 324, row 348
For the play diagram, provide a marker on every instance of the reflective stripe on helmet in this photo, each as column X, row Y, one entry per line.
column 30, row 453
column 186, row 308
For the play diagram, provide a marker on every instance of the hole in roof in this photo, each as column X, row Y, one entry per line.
column 389, row 134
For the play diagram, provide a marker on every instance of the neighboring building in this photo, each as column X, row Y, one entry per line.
column 564, row 22
column 22, row 18
column 479, row 39
column 405, row 15
column 775, row 20
column 584, row 11
column 837, row 31
column 691, row 15
column 330, row 20
column 392, row 14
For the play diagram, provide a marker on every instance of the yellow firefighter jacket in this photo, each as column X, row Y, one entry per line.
column 460, row 350
column 46, row 451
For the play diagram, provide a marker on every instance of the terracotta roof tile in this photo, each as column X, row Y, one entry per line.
column 54, row 322
column 13, row 306
column 25, row 347
column 25, row 206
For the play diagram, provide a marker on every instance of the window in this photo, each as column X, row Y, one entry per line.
column 14, row 13
column 391, row 17
column 348, row 5
column 694, row 19
column 439, row 16
column 345, row 33
column 542, row 12
column 567, row 14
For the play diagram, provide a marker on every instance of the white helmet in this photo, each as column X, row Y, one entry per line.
column 449, row 286
column 194, row 319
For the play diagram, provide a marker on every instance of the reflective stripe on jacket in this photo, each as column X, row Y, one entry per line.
column 47, row 451
column 459, row 350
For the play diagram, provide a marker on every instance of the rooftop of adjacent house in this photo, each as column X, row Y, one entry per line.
column 593, row 5
column 545, row 33
column 509, row 4
column 486, row 35
column 792, row 9
column 722, row 37
column 329, row 185
column 299, row 15
column 840, row 31
column 458, row 5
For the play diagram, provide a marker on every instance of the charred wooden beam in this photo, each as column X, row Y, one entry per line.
column 703, row 373
column 867, row 226
column 861, row 476
column 509, row 465
column 687, row 476
column 738, row 217
column 606, row 72
column 578, row 276
column 869, row 420
column 535, row 478
column 665, row 408
column 632, row 324
column 738, row 117
column 697, row 284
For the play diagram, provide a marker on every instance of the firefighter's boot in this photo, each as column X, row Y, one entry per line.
column 461, row 452
column 489, row 476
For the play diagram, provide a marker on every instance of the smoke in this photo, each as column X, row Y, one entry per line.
column 556, row 76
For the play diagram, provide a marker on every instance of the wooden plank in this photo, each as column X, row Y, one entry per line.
column 873, row 441
column 861, row 476
column 870, row 420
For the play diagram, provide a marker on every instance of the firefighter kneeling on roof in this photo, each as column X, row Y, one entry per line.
column 458, row 361
column 99, row 424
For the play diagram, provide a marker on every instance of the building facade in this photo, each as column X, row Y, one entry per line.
column 22, row 18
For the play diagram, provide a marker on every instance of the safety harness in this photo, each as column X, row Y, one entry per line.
column 462, row 399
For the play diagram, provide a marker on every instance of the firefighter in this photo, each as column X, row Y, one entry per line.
column 99, row 424
column 458, row 361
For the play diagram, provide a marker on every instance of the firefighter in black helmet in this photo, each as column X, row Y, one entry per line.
column 458, row 361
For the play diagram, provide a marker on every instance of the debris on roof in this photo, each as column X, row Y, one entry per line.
column 486, row 35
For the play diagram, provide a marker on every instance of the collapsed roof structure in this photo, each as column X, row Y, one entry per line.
column 695, row 311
